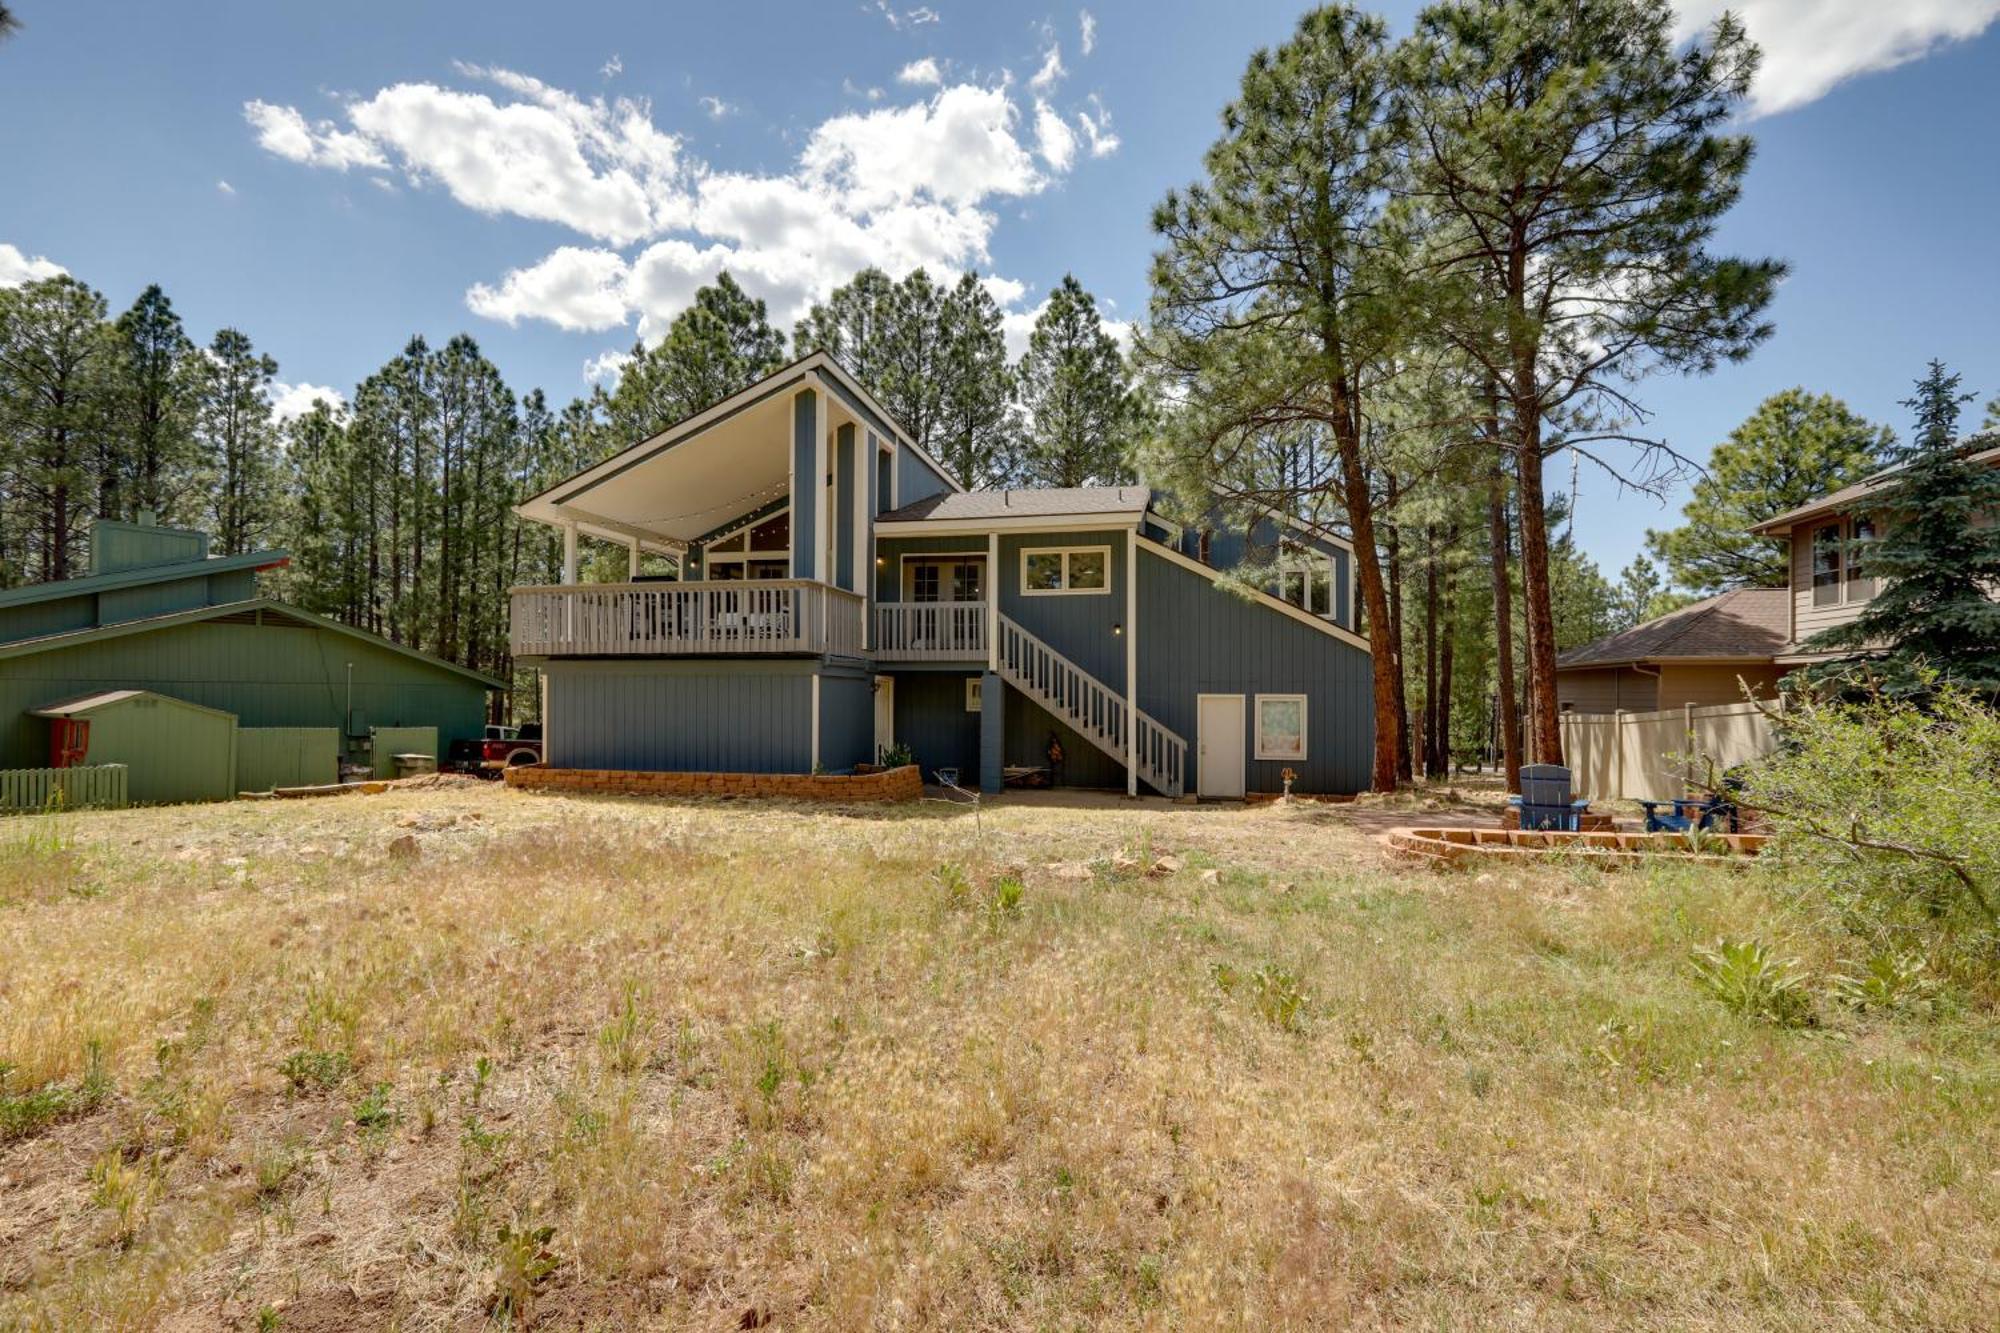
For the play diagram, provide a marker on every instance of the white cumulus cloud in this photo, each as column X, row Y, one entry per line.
column 284, row 131
column 894, row 186
column 923, row 73
column 1812, row 45
column 17, row 268
column 1051, row 73
column 291, row 401
column 572, row 288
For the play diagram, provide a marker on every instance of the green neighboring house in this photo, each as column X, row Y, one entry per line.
column 157, row 613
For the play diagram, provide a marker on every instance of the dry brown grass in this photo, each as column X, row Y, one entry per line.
column 616, row 1064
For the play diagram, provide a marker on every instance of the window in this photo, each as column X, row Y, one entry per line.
column 1861, row 585
column 973, row 693
column 1281, row 726
column 1826, row 565
column 1053, row 571
column 924, row 582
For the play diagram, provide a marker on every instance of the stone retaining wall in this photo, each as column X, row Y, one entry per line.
column 896, row 784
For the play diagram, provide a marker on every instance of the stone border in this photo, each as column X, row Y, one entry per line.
column 896, row 784
column 1461, row 845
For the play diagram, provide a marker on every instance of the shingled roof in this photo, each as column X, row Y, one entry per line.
column 1052, row 502
column 1743, row 625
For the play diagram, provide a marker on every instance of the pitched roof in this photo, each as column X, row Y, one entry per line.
column 142, row 574
column 1053, row 502
column 1846, row 496
column 47, row 643
column 1744, row 624
column 86, row 703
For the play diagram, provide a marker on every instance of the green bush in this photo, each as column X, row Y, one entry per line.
column 1756, row 983
column 1888, row 810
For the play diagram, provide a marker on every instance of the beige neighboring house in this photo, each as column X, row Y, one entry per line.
column 1829, row 539
column 1702, row 654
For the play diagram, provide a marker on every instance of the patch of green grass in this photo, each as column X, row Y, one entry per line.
column 29, row 1111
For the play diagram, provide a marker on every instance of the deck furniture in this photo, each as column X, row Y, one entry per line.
column 1683, row 814
column 1545, row 801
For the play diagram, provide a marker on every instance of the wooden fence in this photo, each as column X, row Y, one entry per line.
column 32, row 790
column 1657, row 756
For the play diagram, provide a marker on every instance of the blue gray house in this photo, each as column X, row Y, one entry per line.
column 836, row 594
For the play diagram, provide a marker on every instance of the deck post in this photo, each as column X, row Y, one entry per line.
column 992, row 601
column 1131, row 661
column 632, row 559
column 992, row 734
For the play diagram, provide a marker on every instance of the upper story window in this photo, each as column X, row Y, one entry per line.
column 1050, row 571
column 1861, row 582
column 1826, row 565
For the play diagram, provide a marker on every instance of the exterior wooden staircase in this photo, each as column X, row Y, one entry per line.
column 1092, row 709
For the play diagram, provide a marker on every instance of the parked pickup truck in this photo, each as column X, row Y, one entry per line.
column 499, row 749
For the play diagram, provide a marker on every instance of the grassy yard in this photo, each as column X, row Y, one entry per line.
column 467, row 1057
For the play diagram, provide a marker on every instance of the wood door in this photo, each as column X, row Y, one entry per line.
column 1219, row 746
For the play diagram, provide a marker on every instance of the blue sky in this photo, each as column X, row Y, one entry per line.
column 556, row 179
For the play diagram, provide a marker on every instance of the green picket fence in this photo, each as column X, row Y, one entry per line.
column 32, row 790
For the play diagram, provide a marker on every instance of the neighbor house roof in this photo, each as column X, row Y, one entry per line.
column 1053, row 502
column 1747, row 624
column 48, row 643
column 1847, row 497
column 143, row 574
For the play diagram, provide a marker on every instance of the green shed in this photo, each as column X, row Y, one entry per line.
column 158, row 614
column 173, row 750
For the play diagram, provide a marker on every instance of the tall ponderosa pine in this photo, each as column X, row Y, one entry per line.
column 1938, row 558
column 57, row 403
column 974, row 438
column 159, row 382
column 1795, row 447
column 857, row 325
column 720, row 343
column 323, row 523
column 1570, row 166
column 233, row 424
column 1076, row 395
column 1274, row 301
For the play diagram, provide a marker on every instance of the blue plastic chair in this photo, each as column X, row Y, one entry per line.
column 1545, row 801
column 1683, row 814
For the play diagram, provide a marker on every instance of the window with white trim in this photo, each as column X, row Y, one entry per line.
column 1281, row 727
column 1054, row 571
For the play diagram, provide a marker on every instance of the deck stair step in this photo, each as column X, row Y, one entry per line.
column 1091, row 708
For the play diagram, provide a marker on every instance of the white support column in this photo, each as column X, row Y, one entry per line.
column 569, row 553
column 1132, row 661
column 632, row 559
column 862, row 459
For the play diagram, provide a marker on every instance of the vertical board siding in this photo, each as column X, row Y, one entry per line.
column 846, row 719
column 85, row 786
column 1195, row 638
column 674, row 716
column 805, row 484
column 914, row 478
column 385, row 743
column 844, row 452
column 174, row 751
column 271, row 675
column 272, row 757
column 931, row 720
column 1079, row 627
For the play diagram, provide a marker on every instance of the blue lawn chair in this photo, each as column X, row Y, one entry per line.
column 1683, row 814
column 1545, row 801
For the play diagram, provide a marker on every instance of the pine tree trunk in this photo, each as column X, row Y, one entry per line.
column 1509, row 719
column 1441, row 720
column 1430, row 650
column 1545, row 739
column 1368, row 568
column 1404, row 769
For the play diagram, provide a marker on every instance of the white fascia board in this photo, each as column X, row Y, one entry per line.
column 959, row 527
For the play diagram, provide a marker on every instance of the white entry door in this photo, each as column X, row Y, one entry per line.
column 1219, row 746
column 885, row 715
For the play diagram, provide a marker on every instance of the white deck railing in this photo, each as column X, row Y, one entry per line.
column 930, row 631
column 666, row 619
column 1159, row 755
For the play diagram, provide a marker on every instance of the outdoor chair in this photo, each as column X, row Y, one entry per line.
column 1681, row 815
column 1545, row 802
